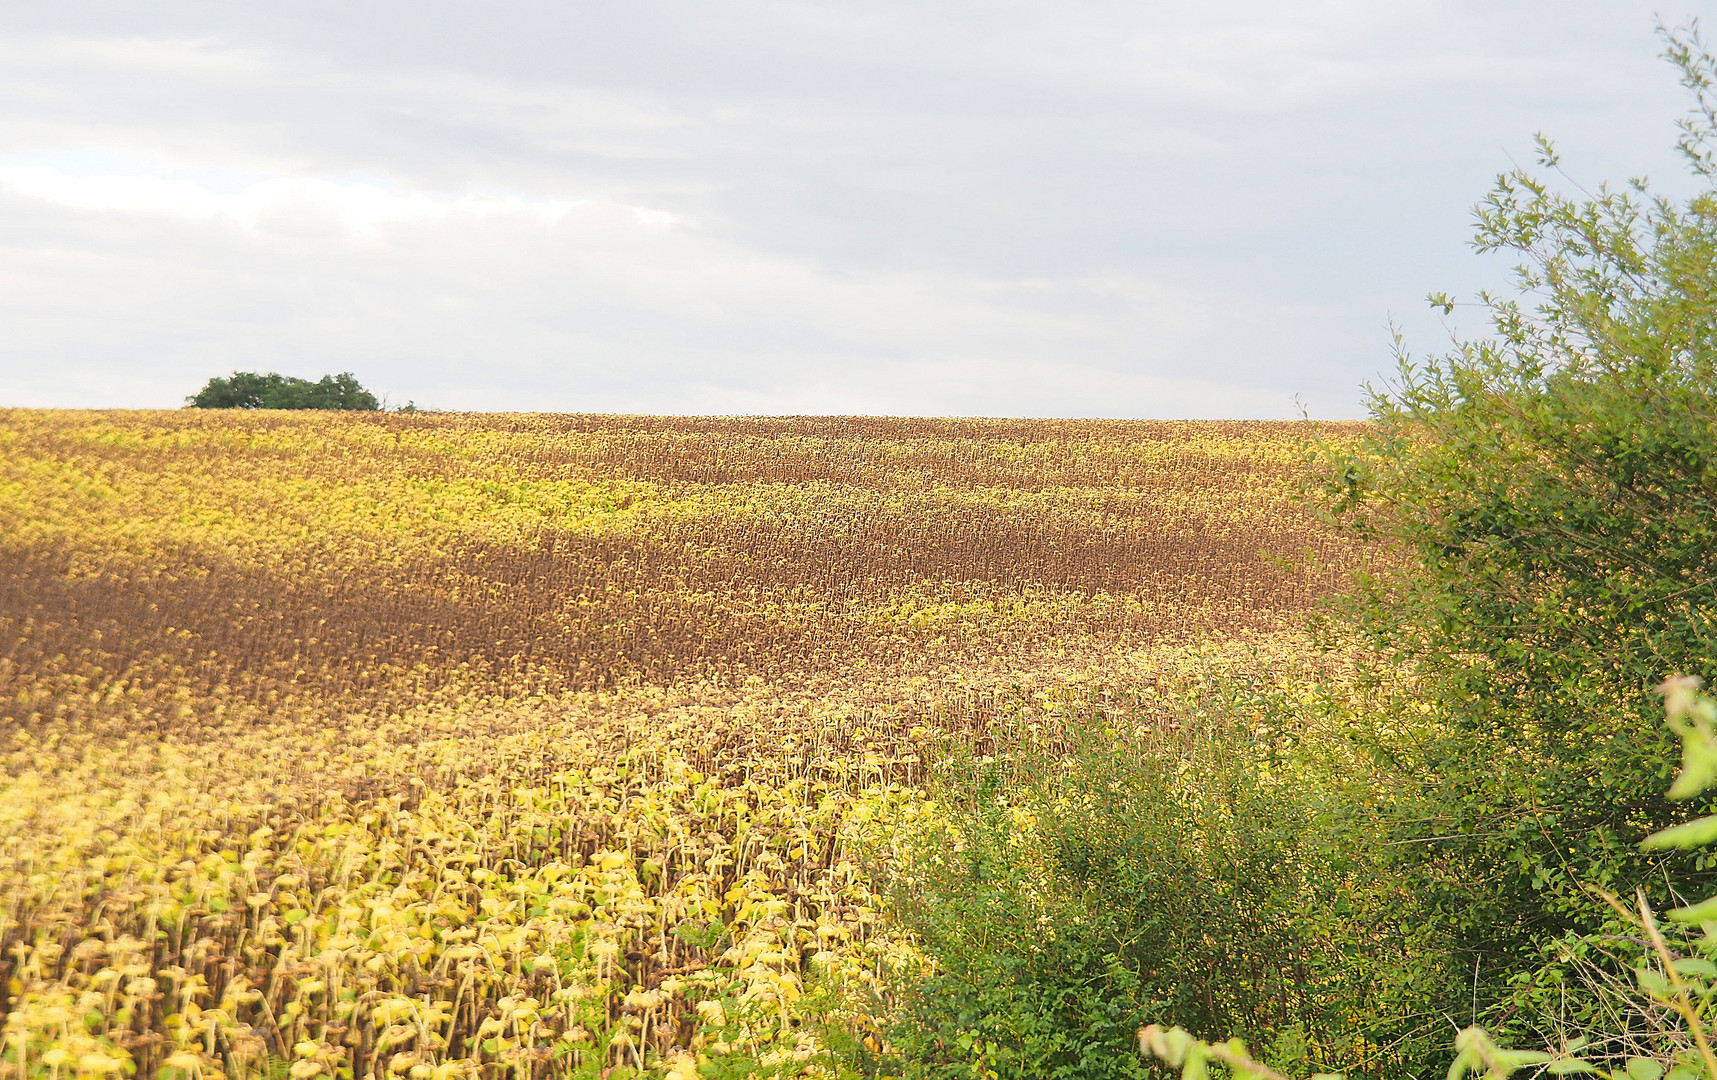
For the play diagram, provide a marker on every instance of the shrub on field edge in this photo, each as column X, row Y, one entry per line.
column 1651, row 1003
column 1539, row 504
column 251, row 390
column 1194, row 869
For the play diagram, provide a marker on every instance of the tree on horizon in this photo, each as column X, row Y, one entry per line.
column 271, row 390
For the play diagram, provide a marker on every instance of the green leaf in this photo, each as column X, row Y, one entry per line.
column 1566, row 1066
column 1652, row 982
column 1698, row 767
column 1640, row 1068
column 1241, row 1069
column 1690, row 835
column 1464, row 1061
column 1195, row 1068
column 1695, row 966
column 1520, row 1059
column 1704, row 911
column 1178, row 1041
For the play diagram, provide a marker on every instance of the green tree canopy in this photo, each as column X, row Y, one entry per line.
column 1543, row 506
column 250, row 390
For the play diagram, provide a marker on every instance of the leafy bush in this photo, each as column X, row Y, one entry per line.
column 1183, row 866
column 1540, row 508
column 250, row 390
column 1660, row 1016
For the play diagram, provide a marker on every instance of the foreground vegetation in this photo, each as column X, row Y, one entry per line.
column 1547, row 492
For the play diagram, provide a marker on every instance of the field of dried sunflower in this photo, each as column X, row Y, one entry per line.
column 527, row 746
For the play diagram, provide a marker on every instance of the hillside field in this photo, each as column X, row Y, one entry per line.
column 439, row 745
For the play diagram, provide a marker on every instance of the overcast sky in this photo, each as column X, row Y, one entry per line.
column 1001, row 208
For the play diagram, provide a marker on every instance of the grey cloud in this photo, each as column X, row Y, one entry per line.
column 1017, row 208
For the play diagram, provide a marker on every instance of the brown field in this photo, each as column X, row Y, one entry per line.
column 445, row 745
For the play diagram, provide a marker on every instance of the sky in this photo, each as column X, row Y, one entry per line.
column 1079, row 209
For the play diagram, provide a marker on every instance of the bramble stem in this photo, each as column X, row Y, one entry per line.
column 1682, row 1005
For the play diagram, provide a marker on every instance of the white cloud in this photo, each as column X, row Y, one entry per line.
column 467, row 301
column 1016, row 207
column 354, row 208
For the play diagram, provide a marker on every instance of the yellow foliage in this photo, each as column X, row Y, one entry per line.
column 438, row 746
